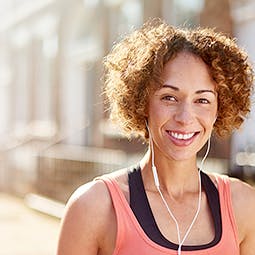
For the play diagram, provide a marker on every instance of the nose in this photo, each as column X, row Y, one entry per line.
column 184, row 114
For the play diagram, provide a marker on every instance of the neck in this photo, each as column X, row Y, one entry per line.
column 176, row 177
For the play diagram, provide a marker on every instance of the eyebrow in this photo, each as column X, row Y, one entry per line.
column 197, row 92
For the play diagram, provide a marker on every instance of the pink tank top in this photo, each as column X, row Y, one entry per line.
column 131, row 239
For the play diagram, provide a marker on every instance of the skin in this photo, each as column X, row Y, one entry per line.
column 181, row 116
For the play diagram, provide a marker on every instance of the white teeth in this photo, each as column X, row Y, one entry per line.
column 181, row 136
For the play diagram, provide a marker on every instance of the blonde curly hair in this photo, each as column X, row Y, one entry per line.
column 133, row 69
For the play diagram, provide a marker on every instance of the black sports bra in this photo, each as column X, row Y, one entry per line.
column 141, row 208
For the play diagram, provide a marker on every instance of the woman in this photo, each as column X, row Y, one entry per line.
column 171, row 87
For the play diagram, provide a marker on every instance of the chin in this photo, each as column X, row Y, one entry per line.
column 181, row 157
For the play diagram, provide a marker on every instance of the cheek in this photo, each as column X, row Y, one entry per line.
column 158, row 113
column 208, row 114
column 209, row 121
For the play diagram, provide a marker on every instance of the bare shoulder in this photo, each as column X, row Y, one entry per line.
column 243, row 200
column 94, row 196
column 89, row 199
column 83, row 227
column 86, row 194
column 241, row 192
column 243, row 195
column 89, row 224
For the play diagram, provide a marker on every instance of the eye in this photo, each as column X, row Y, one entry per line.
column 203, row 101
column 169, row 98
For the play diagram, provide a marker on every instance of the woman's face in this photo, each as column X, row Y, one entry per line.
column 182, row 112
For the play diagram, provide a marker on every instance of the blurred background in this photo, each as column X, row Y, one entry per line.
column 54, row 130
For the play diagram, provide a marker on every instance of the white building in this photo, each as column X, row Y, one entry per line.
column 50, row 69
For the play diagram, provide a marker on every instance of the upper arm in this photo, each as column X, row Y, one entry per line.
column 83, row 225
column 243, row 196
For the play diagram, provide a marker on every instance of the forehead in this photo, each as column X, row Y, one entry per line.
column 187, row 69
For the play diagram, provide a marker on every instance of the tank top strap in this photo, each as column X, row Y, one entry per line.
column 127, row 227
column 118, row 201
column 229, row 222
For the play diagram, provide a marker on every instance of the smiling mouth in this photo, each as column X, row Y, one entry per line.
column 182, row 136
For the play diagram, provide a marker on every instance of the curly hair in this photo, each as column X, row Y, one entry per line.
column 134, row 66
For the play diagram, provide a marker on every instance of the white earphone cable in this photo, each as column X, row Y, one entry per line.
column 157, row 184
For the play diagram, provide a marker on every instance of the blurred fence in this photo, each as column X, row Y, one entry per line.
column 56, row 171
column 62, row 169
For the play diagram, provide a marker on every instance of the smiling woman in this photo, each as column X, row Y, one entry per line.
column 172, row 87
column 182, row 112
